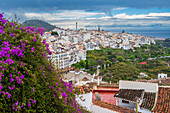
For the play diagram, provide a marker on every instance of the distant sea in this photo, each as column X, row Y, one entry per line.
column 152, row 33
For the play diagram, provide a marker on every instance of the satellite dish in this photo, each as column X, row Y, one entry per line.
column 97, row 96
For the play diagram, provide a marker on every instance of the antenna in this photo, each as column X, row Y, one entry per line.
column 76, row 26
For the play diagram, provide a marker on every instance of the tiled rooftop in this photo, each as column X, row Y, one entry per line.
column 112, row 107
column 163, row 100
column 129, row 94
column 148, row 100
column 84, row 89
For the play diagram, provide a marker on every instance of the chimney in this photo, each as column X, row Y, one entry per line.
column 98, row 81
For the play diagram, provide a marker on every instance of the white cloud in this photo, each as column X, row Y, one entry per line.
column 141, row 16
column 120, row 8
column 65, row 14
column 67, row 18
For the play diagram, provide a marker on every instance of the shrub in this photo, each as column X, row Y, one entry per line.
column 28, row 81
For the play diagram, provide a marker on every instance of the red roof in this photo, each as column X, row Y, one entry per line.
column 142, row 62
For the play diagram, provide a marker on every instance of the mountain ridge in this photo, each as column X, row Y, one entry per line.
column 39, row 23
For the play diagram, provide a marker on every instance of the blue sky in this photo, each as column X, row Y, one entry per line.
column 143, row 14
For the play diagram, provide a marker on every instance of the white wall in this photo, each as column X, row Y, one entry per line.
column 126, row 105
column 148, row 87
column 144, row 111
column 88, row 100
column 97, row 109
column 160, row 76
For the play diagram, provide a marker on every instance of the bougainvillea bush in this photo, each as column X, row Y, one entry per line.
column 28, row 81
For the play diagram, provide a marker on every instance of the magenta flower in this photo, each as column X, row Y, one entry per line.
column 12, row 24
column 32, row 89
column 44, row 55
column 33, row 101
column 9, row 95
column 29, row 104
column 22, row 77
column 64, row 94
column 44, row 42
column 56, row 84
column 19, row 81
column 50, row 52
column 1, row 31
column 34, row 39
column 22, row 63
column 1, row 87
column 65, row 101
column 11, row 75
column 12, row 34
column 32, row 49
column 17, row 78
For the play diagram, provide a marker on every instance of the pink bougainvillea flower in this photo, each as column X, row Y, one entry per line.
column 10, row 75
column 11, row 79
column 34, row 39
column 33, row 101
column 1, row 87
column 32, row 89
column 12, row 24
column 22, row 77
column 1, row 31
column 56, row 84
column 32, row 49
column 29, row 104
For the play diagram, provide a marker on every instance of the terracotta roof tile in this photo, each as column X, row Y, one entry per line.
column 85, row 79
column 84, row 89
column 129, row 94
column 163, row 101
column 112, row 107
column 148, row 100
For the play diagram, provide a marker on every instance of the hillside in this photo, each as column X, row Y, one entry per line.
column 39, row 23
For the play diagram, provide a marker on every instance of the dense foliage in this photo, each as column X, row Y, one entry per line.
column 117, row 64
column 39, row 23
column 166, row 43
column 28, row 81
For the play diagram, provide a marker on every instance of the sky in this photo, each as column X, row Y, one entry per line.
column 109, row 14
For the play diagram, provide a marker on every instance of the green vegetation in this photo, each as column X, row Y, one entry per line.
column 124, row 64
column 54, row 33
column 28, row 81
column 39, row 23
column 166, row 43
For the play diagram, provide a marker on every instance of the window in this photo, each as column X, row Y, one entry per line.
column 124, row 101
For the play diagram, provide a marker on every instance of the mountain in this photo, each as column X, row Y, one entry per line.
column 39, row 23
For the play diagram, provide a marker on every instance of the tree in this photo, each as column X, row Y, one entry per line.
column 82, row 63
column 120, row 58
column 145, row 56
column 132, row 57
column 54, row 33
column 100, row 62
column 108, row 63
column 87, row 64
